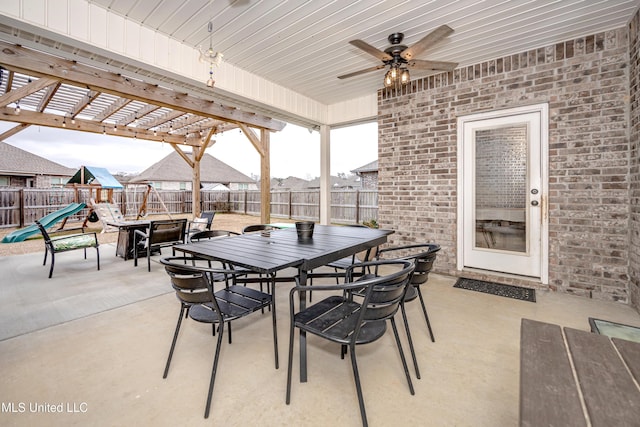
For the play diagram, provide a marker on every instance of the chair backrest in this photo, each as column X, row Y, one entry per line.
column 167, row 231
column 45, row 235
column 423, row 255
column 258, row 227
column 191, row 286
column 208, row 215
column 211, row 234
column 383, row 293
column 194, row 283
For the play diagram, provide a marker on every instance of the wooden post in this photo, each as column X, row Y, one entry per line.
column 261, row 144
column 195, row 191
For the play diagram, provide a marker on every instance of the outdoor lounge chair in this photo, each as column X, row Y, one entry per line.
column 67, row 242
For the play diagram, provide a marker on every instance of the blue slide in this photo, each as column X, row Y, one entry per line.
column 47, row 221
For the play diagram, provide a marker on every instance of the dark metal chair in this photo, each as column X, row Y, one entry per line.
column 67, row 242
column 195, row 289
column 210, row 234
column 423, row 256
column 252, row 229
column 258, row 227
column 342, row 320
column 159, row 234
column 201, row 223
column 341, row 265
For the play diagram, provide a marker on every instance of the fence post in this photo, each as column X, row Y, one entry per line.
column 21, row 207
column 290, row 204
column 357, row 206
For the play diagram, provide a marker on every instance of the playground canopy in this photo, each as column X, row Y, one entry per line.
column 91, row 175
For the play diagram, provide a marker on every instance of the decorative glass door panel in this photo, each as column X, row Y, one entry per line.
column 502, row 191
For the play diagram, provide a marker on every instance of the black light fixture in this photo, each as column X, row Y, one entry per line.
column 396, row 76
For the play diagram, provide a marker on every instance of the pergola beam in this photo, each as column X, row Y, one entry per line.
column 31, row 62
column 13, row 131
column 51, row 120
column 16, row 95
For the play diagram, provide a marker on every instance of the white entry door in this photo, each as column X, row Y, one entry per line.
column 502, row 191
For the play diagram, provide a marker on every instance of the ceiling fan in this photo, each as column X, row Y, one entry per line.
column 400, row 58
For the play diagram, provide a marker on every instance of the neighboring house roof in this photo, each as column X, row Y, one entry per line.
column 289, row 183
column 15, row 161
column 369, row 167
column 94, row 175
column 173, row 168
column 352, row 181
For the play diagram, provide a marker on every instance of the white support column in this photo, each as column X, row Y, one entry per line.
column 325, row 174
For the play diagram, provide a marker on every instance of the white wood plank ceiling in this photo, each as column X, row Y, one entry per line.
column 303, row 45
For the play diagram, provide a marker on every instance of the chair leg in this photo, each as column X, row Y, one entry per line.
column 404, row 361
column 426, row 317
column 98, row 257
column 290, row 362
column 356, row 377
column 406, row 328
column 214, row 369
column 149, row 258
column 173, row 343
column 272, row 307
column 53, row 261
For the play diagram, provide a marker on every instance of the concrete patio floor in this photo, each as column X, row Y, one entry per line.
column 94, row 344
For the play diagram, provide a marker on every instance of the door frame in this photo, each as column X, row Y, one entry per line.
column 543, row 110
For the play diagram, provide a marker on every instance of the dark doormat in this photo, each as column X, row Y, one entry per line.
column 508, row 291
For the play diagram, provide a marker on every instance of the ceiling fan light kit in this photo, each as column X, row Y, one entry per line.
column 399, row 58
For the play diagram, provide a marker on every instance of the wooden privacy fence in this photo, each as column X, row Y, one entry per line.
column 20, row 207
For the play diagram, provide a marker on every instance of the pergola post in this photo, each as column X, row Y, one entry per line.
column 261, row 144
column 195, row 190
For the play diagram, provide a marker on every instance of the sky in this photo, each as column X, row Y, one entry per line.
column 295, row 151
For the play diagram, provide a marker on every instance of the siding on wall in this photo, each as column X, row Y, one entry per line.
column 634, row 181
column 586, row 83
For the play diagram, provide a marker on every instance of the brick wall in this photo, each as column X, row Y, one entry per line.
column 586, row 83
column 634, row 181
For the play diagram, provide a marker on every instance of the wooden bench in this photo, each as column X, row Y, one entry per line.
column 570, row 377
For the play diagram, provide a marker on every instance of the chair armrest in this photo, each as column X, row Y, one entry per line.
column 141, row 233
column 429, row 248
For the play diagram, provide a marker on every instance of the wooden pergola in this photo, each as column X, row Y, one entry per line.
column 55, row 92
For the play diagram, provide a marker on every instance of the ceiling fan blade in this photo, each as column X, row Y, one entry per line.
column 419, row 64
column 428, row 40
column 382, row 56
column 357, row 73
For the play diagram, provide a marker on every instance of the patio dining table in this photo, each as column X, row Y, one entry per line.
column 275, row 250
